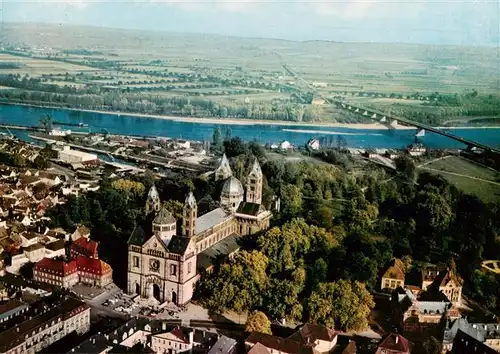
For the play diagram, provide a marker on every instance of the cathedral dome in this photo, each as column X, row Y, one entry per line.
column 232, row 187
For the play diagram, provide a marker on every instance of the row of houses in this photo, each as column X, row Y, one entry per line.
column 28, row 328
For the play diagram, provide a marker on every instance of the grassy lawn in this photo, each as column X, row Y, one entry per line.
column 450, row 169
column 457, row 164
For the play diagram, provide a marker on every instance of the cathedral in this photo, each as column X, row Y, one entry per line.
column 164, row 262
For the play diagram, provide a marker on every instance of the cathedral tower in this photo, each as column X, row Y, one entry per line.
column 153, row 202
column 189, row 216
column 224, row 170
column 254, row 184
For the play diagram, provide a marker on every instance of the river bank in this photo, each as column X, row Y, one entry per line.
column 269, row 133
column 222, row 121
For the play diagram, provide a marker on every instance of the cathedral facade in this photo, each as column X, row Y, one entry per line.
column 164, row 262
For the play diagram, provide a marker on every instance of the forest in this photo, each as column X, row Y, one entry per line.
column 320, row 259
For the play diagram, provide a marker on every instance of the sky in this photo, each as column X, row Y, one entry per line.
column 466, row 22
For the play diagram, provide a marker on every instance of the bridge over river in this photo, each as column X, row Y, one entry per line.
column 387, row 120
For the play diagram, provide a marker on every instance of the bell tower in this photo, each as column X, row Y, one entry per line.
column 189, row 216
column 254, row 184
column 153, row 202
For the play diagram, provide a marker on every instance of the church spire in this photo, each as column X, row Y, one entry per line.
column 153, row 202
column 224, row 170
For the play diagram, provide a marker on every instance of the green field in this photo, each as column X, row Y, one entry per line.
column 139, row 61
column 468, row 176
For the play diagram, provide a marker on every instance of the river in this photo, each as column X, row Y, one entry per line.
column 296, row 134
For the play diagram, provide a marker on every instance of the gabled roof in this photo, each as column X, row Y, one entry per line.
column 351, row 348
column 395, row 342
column 448, row 277
column 258, row 349
column 395, row 270
column 281, row 344
column 137, row 237
column 309, row 333
column 210, row 219
column 178, row 244
column 252, row 209
column 85, row 246
column 55, row 245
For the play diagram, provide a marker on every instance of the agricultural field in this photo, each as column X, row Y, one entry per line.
column 230, row 70
column 467, row 176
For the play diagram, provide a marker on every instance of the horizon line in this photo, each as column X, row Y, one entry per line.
column 27, row 23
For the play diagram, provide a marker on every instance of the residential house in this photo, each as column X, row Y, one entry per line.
column 285, row 145
column 11, row 309
column 81, row 231
column 393, row 344
column 450, row 284
column 322, row 338
column 155, row 336
column 394, row 276
column 55, row 249
column 310, row 338
column 276, row 344
column 84, row 247
column 313, row 144
column 34, row 252
column 41, row 325
column 224, row 345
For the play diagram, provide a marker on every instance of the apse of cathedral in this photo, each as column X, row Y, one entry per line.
column 164, row 261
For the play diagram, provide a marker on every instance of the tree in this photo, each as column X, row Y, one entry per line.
column 291, row 199
column 217, row 139
column 341, row 305
column 234, row 147
column 258, row 322
column 133, row 188
column 46, row 123
column 406, row 166
column 175, row 208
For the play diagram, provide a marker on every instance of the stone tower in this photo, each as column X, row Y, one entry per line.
column 254, row 184
column 189, row 216
column 153, row 203
column 224, row 170
column 164, row 225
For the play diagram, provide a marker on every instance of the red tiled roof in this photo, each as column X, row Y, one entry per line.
column 57, row 267
column 85, row 246
column 180, row 334
column 92, row 265
column 395, row 342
